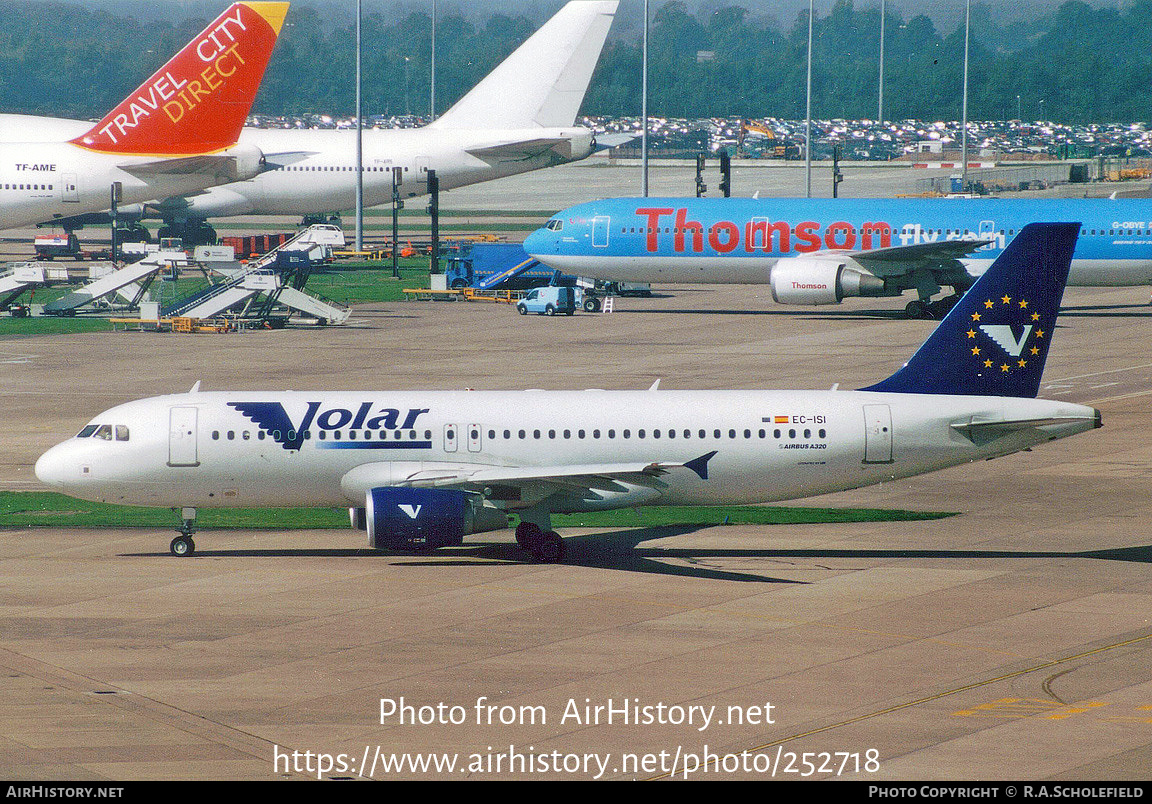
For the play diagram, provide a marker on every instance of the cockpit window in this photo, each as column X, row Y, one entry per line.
column 554, row 225
column 121, row 432
column 87, row 431
column 104, row 431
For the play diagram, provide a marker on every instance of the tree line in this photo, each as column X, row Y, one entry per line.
column 1078, row 65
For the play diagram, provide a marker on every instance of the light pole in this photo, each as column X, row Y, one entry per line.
column 644, row 105
column 359, row 143
column 808, row 115
column 964, row 104
column 880, row 108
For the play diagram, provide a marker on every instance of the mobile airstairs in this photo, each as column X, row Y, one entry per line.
column 129, row 283
column 23, row 276
column 275, row 280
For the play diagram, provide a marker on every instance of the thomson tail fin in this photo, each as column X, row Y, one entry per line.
column 197, row 102
column 543, row 82
column 995, row 340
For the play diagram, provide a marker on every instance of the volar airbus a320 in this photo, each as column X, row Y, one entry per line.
column 425, row 469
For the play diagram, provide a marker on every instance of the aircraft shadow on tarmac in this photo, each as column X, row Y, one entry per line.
column 1137, row 310
column 621, row 550
column 1109, row 311
column 802, row 314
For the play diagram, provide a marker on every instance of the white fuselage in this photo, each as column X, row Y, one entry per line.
column 314, row 171
column 320, row 174
column 43, row 181
column 198, row 449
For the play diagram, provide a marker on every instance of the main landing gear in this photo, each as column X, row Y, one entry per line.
column 183, row 545
column 931, row 311
column 546, row 546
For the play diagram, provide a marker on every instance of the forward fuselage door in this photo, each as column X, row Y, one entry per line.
column 988, row 232
column 451, row 438
column 475, row 438
column 877, row 434
column 70, row 188
column 600, row 225
column 182, row 449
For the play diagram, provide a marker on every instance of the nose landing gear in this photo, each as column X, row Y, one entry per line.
column 183, row 545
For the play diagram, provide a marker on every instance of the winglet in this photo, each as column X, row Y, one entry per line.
column 197, row 102
column 995, row 340
column 700, row 465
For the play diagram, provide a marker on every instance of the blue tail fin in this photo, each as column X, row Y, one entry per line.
column 995, row 340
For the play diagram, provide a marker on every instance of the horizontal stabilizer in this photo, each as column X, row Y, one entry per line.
column 521, row 150
column 982, row 432
column 283, row 158
column 605, row 141
column 224, row 165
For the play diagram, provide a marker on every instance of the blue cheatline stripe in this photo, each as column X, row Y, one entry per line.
column 374, row 445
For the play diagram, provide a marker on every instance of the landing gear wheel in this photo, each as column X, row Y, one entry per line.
column 937, row 310
column 916, row 310
column 182, row 546
column 549, row 548
column 528, row 536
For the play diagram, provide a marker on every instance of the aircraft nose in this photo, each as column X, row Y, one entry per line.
column 537, row 243
column 52, row 468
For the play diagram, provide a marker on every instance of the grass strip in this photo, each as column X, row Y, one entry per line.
column 42, row 509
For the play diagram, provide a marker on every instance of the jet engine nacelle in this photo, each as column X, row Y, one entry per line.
column 400, row 518
column 820, row 280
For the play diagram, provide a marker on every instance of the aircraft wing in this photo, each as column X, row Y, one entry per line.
column 899, row 260
column 532, row 482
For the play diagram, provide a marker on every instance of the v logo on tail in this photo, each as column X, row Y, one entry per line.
column 995, row 340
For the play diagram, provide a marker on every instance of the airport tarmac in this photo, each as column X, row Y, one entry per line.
column 1011, row 641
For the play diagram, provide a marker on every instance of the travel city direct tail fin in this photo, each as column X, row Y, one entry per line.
column 543, row 82
column 995, row 340
column 197, row 102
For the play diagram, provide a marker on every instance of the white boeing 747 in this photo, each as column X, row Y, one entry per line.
column 425, row 469
column 521, row 117
column 177, row 133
